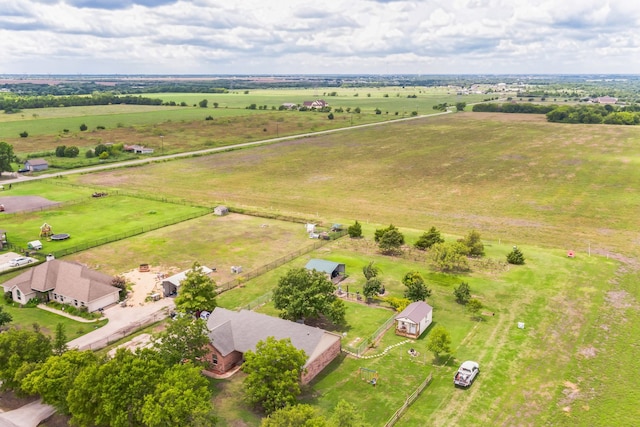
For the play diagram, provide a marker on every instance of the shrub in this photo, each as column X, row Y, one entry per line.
column 89, row 154
column 330, row 116
column 515, row 256
column 60, row 150
column 104, row 155
column 355, row 230
column 83, row 127
column 462, row 293
column 209, row 118
column 24, row 134
column 71, row 152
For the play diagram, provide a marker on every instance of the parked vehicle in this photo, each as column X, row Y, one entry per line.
column 466, row 373
column 17, row 262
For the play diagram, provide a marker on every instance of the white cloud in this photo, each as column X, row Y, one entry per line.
column 336, row 36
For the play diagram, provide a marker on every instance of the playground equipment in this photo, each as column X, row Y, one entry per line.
column 369, row 375
column 45, row 230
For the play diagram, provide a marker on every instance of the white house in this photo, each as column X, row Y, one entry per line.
column 414, row 320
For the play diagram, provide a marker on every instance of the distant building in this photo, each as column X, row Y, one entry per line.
column 220, row 210
column 35, row 165
column 318, row 104
column 138, row 149
column 606, row 100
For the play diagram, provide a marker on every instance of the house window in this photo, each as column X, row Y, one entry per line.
column 214, row 359
column 82, row 303
column 75, row 301
column 55, row 296
column 18, row 294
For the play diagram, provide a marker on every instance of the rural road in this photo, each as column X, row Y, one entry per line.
column 210, row 150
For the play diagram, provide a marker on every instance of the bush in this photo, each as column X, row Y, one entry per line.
column 60, row 150
column 104, row 155
column 355, row 230
column 24, row 134
column 100, row 148
column 83, row 127
column 89, row 154
column 71, row 152
column 100, row 127
column 209, row 118
column 8, row 297
column 462, row 293
column 515, row 256
column 330, row 116
column 33, row 302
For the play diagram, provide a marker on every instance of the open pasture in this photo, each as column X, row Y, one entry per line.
column 513, row 177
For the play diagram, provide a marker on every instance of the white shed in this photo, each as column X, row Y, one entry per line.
column 414, row 320
column 220, row 210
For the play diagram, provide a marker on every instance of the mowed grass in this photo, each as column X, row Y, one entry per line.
column 89, row 220
column 47, row 321
column 518, row 180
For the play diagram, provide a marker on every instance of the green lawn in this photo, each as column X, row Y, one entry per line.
column 47, row 321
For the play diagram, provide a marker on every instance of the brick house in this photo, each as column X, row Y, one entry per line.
column 232, row 333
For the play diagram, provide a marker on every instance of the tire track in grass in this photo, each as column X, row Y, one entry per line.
column 449, row 410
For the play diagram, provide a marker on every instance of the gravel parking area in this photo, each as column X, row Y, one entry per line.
column 25, row 203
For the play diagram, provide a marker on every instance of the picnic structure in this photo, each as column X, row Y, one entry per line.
column 232, row 333
column 171, row 285
column 414, row 320
column 335, row 270
column 64, row 282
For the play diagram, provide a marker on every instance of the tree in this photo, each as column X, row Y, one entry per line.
column 296, row 415
column 372, row 287
column 5, row 317
column 83, row 127
column 71, row 152
column 304, row 294
column 429, row 239
column 439, row 341
column 197, row 292
column 53, row 379
column 24, row 134
column 6, row 157
column 473, row 243
column 355, row 230
column 515, row 256
column 113, row 393
column 370, row 271
column 184, row 339
column 101, row 148
column 416, row 290
column 460, row 106
column 181, row 398
column 449, row 257
column 380, row 232
column 60, row 150
column 18, row 348
column 59, row 340
column 330, row 116
column 474, row 306
column 121, row 283
column 462, row 293
column 215, row 105
column 346, row 415
column 391, row 242
column 203, row 103
column 357, row 110
column 273, row 374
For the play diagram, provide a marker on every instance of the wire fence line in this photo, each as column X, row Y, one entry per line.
column 364, row 345
column 275, row 264
column 412, row 397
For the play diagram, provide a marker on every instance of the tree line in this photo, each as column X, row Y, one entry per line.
column 13, row 104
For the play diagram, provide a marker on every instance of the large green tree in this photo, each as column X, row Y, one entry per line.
column 428, row 239
column 304, row 294
column 20, row 352
column 515, row 256
column 113, row 394
column 462, row 293
column 416, row 288
column 295, row 416
column 54, row 378
column 197, row 292
column 6, row 157
column 473, row 243
column 449, row 257
column 346, row 415
column 439, row 341
column 184, row 339
column 273, row 374
column 391, row 242
column 181, row 398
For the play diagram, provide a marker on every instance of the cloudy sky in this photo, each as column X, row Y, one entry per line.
column 319, row 37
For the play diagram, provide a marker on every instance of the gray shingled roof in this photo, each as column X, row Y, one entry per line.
column 70, row 279
column 416, row 311
column 241, row 331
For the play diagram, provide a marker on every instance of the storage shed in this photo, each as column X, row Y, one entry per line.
column 171, row 285
column 220, row 210
column 335, row 270
column 35, row 165
column 414, row 320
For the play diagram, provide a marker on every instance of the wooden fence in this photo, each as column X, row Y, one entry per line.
column 412, row 397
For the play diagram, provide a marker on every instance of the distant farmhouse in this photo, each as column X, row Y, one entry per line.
column 64, row 282
column 137, row 149
column 318, row 104
column 233, row 333
column 35, row 165
column 605, row 100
